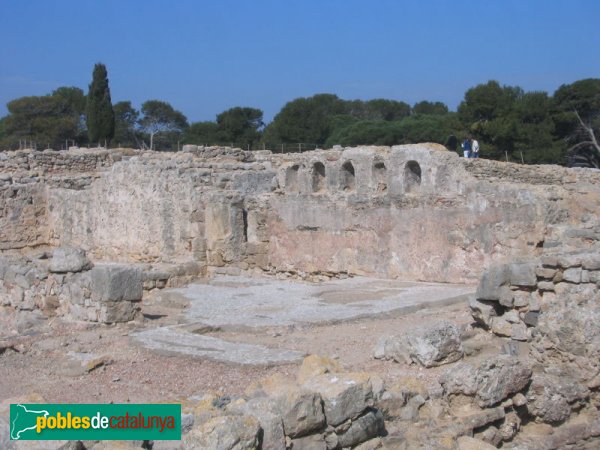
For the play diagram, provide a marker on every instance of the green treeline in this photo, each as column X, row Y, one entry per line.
column 508, row 122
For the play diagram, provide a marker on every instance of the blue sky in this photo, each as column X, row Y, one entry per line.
column 204, row 57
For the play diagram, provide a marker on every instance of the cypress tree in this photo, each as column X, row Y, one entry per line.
column 100, row 117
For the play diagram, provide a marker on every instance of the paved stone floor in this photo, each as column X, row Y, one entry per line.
column 246, row 303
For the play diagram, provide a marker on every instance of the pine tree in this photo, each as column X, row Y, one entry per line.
column 100, row 117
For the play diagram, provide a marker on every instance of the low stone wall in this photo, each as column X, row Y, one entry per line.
column 51, row 161
column 552, row 302
column 68, row 285
column 65, row 283
column 511, row 298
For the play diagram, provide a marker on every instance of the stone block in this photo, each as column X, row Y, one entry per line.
column 522, row 274
column 511, row 316
column 567, row 261
column 312, row 442
column 549, row 261
column 591, row 262
column 436, row 345
column 501, row 326
column 345, row 396
column 585, row 276
column 546, row 273
column 521, row 299
column 113, row 312
column 460, row 379
column 301, row 412
column 506, row 296
column 499, row 378
column 362, row 429
column 510, row 426
column 266, row 411
column 519, row 332
column 69, row 259
column 531, row 318
column 113, row 283
column 572, row 275
column 550, row 397
column 546, row 286
column 482, row 311
column 481, row 418
column 392, row 348
column 491, row 280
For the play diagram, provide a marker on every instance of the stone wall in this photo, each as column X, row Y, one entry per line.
column 553, row 302
column 65, row 283
column 414, row 211
column 51, row 161
column 417, row 212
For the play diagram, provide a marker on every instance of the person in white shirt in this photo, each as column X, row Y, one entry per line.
column 475, row 149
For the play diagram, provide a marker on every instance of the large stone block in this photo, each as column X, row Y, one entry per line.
column 69, row 259
column 113, row 283
column 362, row 429
column 438, row 344
column 301, row 412
column 345, row 396
column 491, row 281
column 551, row 397
column 499, row 377
column 266, row 411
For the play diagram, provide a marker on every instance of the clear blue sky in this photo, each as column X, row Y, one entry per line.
column 204, row 57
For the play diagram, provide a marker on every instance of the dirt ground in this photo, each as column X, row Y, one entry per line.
column 91, row 363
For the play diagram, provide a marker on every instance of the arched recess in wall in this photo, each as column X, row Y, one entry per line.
column 318, row 177
column 412, row 176
column 291, row 179
column 348, row 177
column 379, row 176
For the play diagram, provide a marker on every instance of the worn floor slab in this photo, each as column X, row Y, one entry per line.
column 246, row 303
column 168, row 339
column 255, row 302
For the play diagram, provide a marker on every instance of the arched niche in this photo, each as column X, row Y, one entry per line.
column 291, row 179
column 379, row 175
column 412, row 176
column 348, row 177
column 318, row 177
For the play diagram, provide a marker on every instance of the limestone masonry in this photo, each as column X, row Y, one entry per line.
column 416, row 212
column 89, row 235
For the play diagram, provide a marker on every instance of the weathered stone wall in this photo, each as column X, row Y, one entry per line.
column 51, row 161
column 417, row 211
column 441, row 223
column 26, row 177
column 160, row 208
column 23, row 213
column 65, row 283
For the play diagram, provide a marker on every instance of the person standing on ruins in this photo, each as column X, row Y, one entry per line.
column 466, row 146
column 475, row 149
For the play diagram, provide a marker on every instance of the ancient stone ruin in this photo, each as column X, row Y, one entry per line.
column 100, row 237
